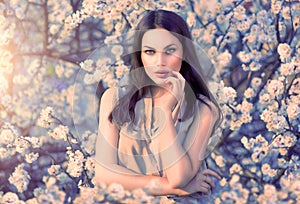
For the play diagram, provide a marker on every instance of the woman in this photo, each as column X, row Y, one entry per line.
column 153, row 132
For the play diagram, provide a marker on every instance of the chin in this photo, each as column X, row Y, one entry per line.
column 158, row 81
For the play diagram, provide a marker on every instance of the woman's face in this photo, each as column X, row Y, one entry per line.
column 161, row 54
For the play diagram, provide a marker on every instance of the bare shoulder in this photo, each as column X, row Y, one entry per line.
column 109, row 95
column 108, row 98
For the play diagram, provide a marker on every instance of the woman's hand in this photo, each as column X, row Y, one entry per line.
column 202, row 182
column 174, row 84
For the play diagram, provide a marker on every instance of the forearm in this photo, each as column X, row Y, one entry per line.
column 130, row 180
column 179, row 168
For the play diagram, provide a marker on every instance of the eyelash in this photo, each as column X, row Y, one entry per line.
column 149, row 52
column 168, row 51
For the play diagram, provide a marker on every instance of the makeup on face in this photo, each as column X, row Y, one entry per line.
column 161, row 54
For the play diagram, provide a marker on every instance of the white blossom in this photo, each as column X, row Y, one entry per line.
column 75, row 163
column 191, row 19
column 6, row 65
column 35, row 141
column 117, row 50
column 224, row 58
column 229, row 94
column 59, row 70
column 206, row 37
column 6, row 100
column 276, row 7
column 88, row 142
column 20, row 13
column 59, row 133
column 31, row 157
column 293, row 111
column 284, row 50
column 278, row 123
column 89, row 78
column 87, row 195
column 212, row 52
column 239, row 13
column 254, row 66
column 46, row 117
column 286, row 69
column 286, row 12
column 3, row 84
column 249, row 93
column 53, row 169
column 195, row 32
column 20, row 80
column 246, row 106
column 121, row 70
column 243, row 26
column 87, row 65
column 10, row 197
column 268, row 171
column 275, row 88
column 262, row 18
column 7, row 134
column 245, row 142
column 269, row 194
column 20, row 178
column 116, row 191
column 244, row 57
column 235, row 168
column 21, row 145
column 51, row 193
column 5, row 153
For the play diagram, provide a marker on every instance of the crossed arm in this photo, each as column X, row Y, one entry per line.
column 181, row 176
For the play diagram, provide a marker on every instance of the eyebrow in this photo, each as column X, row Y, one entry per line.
column 164, row 48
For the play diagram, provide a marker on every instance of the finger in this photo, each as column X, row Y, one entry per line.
column 210, row 182
column 178, row 75
column 205, row 181
column 177, row 78
column 173, row 74
column 181, row 80
column 205, row 185
column 170, row 82
column 211, row 173
column 174, row 83
column 204, row 190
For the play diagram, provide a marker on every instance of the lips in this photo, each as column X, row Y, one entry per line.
column 161, row 74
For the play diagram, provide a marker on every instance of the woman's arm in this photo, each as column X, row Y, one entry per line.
column 202, row 182
column 154, row 185
column 184, row 161
column 107, row 169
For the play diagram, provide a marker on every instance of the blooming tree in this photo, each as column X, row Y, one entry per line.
column 50, row 90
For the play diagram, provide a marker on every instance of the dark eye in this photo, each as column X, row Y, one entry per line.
column 149, row 52
column 170, row 51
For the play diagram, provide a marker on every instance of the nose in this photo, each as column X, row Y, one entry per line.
column 161, row 59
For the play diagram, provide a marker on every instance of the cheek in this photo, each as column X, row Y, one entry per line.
column 175, row 64
column 143, row 58
column 146, row 60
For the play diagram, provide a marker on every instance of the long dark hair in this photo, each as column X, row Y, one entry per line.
column 190, row 68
